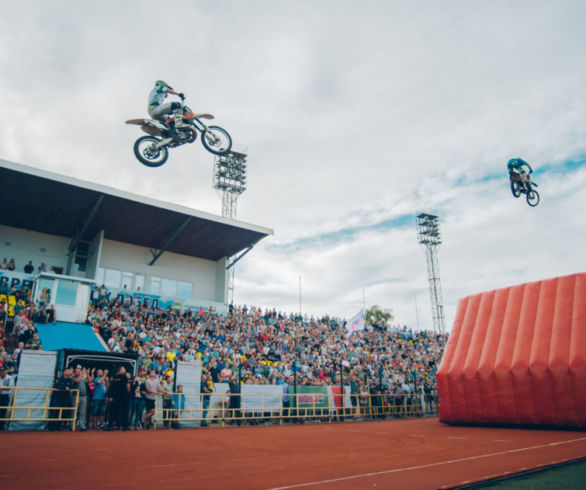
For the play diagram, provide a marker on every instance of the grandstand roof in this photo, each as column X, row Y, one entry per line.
column 56, row 204
column 63, row 335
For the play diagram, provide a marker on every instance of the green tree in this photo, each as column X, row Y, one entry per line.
column 375, row 315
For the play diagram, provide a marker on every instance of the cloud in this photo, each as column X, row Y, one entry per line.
column 354, row 119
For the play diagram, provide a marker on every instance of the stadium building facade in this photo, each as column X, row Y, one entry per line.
column 85, row 233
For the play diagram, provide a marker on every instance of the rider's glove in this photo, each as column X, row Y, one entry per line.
column 182, row 96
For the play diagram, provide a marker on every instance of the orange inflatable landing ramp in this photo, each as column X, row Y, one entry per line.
column 518, row 356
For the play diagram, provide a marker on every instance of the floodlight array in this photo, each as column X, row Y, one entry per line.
column 230, row 173
column 428, row 232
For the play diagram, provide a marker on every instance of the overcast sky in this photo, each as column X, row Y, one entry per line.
column 355, row 117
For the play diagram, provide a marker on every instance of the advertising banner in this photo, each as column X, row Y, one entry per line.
column 189, row 375
column 336, row 393
column 157, row 301
column 37, row 369
column 218, row 400
column 9, row 279
column 128, row 297
column 310, row 396
column 261, row 398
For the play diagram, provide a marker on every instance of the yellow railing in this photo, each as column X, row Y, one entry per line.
column 290, row 408
column 34, row 405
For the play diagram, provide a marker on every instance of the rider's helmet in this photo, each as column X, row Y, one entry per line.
column 163, row 84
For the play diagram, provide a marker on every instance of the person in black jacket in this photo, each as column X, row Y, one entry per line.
column 137, row 403
column 120, row 394
column 207, row 388
column 235, row 400
column 61, row 398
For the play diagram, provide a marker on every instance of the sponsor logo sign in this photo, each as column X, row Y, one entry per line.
column 310, row 396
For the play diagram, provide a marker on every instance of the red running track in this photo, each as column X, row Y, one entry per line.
column 405, row 454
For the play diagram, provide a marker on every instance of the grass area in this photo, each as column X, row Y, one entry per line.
column 569, row 477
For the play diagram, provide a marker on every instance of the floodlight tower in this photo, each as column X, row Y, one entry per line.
column 428, row 235
column 230, row 180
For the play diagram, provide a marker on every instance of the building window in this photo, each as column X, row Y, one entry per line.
column 66, row 292
column 112, row 278
column 138, row 282
column 127, row 280
column 130, row 281
column 184, row 290
column 155, row 285
column 168, row 287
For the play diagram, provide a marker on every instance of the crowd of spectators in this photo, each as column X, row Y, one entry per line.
column 22, row 334
column 114, row 401
column 247, row 344
column 270, row 347
column 18, row 316
column 15, row 336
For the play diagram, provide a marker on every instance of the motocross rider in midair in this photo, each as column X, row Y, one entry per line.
column 157, row 109
column 516, row 167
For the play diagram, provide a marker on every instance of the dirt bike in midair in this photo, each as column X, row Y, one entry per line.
column 153, row 150
column 522, row 184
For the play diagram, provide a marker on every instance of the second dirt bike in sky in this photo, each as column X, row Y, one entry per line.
column 153, row 150
column 522, row 184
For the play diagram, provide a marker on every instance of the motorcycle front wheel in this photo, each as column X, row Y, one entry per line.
column 216, row 140
column 515, row 188
column 532, row 198
column 147, row 154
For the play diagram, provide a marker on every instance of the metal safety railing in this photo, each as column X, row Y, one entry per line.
column 38, row 405
column 59, row 408
column 204, row 409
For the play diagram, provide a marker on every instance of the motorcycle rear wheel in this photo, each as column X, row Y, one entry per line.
column 146, row 154
column 216, row 140
column 515, row 188
column 532, row 198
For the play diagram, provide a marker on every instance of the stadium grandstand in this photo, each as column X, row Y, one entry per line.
column 104, row 279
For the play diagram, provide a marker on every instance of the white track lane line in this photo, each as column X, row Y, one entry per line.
column 430, row 465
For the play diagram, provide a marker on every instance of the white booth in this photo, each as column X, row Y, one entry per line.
column 69, row 294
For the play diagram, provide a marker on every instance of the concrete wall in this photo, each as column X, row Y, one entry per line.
column 203, row 274
column 24, row 245
column 208, row 278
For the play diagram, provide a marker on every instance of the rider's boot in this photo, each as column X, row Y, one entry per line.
column 178, row 119
column 174, row 133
